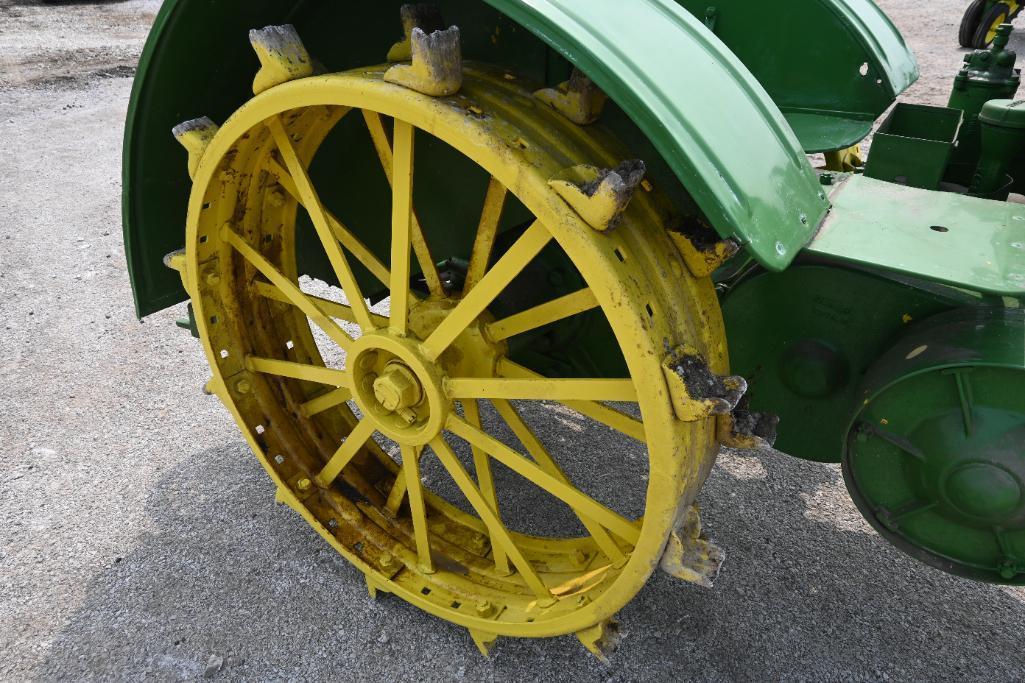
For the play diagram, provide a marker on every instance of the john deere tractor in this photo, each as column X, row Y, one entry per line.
column 487, row 285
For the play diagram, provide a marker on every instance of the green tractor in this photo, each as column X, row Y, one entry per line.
column 487, row 285
column 982, row 19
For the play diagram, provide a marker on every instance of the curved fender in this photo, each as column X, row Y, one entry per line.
column 715, row 126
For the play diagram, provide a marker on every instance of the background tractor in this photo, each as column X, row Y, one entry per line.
column 429, row 249
column 982, row 19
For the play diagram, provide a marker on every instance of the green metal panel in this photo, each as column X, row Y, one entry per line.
column 805, row 338
column 976, row 244
column 716, row 126
column 832, row 66
column 936, row 457
column 745, row 170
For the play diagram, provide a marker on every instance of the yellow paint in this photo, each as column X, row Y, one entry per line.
column 408, row 376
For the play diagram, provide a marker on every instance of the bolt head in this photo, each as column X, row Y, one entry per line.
column 243, row 386
column 304, row 485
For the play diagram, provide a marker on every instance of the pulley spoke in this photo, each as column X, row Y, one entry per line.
column 315, row 209
column 598, row 412
column 359, row 436
column 423, row 252
column 487, row 230
column 574, row 498
column 545, row 314
column 497, row 530
column 542, row 389
column 341, row 232
column 301, row 371
column 402, row 215
column 526, row 248
column 414, row 489
column 485, row 480
column 331, row 308
column 543, row 458
column 288, row 289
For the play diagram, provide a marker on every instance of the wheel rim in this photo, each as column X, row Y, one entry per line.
column 406, row 374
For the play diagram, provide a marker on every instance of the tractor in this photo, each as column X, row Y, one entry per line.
column 983, row 18
column 488, row 284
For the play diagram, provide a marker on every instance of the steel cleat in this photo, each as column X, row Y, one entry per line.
column 425, row 16
column 282, row 55
column 689, row 555
column 747, row 430
column 600, row 197
column 437, row 64
column 485, row 642
column 578, row 99
column 697, row 392
column 601, row 640
column 195, row 136
column 703, row 251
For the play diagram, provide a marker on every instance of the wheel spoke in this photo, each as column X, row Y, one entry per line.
column 545, row 314
column 542, row 389
column 301, row 371
column 543, row 458
column 574, row 498
column 528, row 246
column 487, row 230
column 311, row 201
column 288, row 289
column 331, row 308
column 414, row 489
column 341, row 232
column 608, row 416
column 397, row 493
column 423, row 252
column 402, row 215
column 486, row 481
column 359, row 436
column 495, row 527
column 316, row 406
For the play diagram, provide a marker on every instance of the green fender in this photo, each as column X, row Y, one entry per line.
column 715, row 127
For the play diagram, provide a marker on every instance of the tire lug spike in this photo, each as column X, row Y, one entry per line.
column 698, row 393
column 578, row 99
column 425, row 16
column 747, row 430
column 485, row 642
column 702, row 249
column 437, row 66
column 282, row 55
column 689, row 555
column 601, row 640
column 600, row 197
column 195, row 136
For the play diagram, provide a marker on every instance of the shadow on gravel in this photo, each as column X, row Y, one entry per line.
column 225, row 573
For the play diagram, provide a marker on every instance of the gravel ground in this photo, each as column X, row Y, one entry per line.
column 138, row 537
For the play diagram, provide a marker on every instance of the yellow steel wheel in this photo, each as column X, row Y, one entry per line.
column 347, row 406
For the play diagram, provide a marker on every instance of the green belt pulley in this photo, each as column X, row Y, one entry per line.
column 935, row 458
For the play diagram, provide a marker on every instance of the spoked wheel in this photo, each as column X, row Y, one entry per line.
column 351, row 408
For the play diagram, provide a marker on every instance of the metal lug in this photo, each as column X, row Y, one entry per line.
column 697, row 392
column 689, row 555
column 485, row 642
column 195, row 137
column 600, row 197
column 437, row 66
column 282, row 55
column 578, row 99
column 601, row 640
column 425, row 16
column 746, row 430
column 702, row 250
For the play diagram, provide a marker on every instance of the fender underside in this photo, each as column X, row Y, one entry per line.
column 684, row 102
